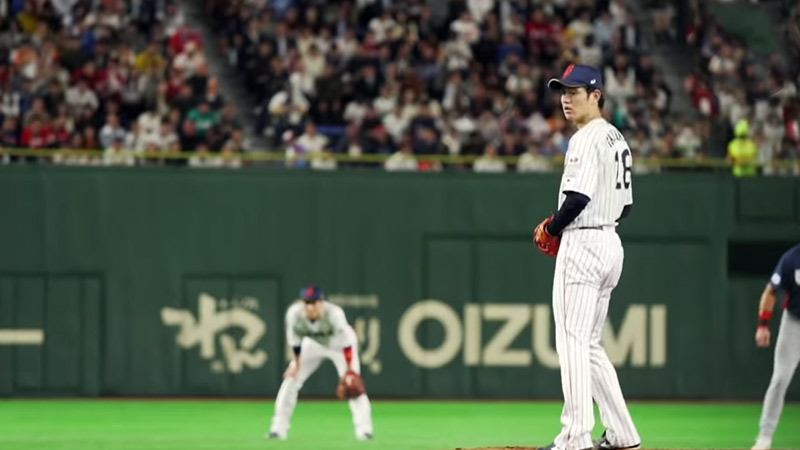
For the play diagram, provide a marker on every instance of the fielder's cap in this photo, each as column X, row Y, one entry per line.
column 577, row 75
column 311, row 293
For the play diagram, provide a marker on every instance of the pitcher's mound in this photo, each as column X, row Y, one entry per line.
column 533, row 448
column 498, row 448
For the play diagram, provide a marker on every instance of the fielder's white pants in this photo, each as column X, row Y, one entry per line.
column 311, row 356
column 588, row 267
column 787, row 357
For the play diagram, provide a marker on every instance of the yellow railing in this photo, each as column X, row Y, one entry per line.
column 342, row 158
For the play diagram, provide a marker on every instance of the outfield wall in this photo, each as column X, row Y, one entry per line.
column 174, row 282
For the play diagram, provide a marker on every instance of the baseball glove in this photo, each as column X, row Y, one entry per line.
column 350, row 386
column 547, row 243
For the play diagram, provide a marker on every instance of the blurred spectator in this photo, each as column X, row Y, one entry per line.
column 286, row 110
column 237, row 143
column 204, row 158
column 402, row 160
column 312, row 141
column 149, row 127
column 116, row 155
column 150, row 59
column 9, row 137
column 724, row 63
column 662, row 21
column 378, row 142
column 425, row 143
column 37, row 112
column 82, row 101
column 212, row 94
column 603, row 28
column 590, row 52
column 489, row 162
column 742, row 152
column 189, row 60
column 36, row 135
column 111, row 132
column 687, row 141
column 230, row 157
column 185, row 100
column 90, row 141
column 532, row 161
column 203, row 117
column 182, row 38
column 215, row 139
column 395, row 123
column 167, row 136
column 350, row 143
column 133, row 139
column 189, row 137
column 308, row 150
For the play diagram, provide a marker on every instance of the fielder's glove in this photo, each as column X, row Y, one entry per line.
column 547, row 243
column 350, row 386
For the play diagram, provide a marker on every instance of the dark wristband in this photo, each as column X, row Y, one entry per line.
column 296, row 350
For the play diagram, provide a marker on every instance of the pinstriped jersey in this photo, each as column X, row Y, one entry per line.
column 598, row 165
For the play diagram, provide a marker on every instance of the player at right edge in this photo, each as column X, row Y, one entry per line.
column 595, row 193
column 786, row 278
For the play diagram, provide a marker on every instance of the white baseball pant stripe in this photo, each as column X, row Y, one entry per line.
column 311, row 356
column 787, row 356
column 588, row 267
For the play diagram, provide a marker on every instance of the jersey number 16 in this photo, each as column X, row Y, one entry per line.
column 624, row 164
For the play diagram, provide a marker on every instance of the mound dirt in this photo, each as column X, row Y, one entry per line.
column 534, row 448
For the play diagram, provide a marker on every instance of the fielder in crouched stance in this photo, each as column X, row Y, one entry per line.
column 317, row 330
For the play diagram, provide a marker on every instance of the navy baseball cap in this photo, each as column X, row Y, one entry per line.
column 577, row 75
column 311, row 293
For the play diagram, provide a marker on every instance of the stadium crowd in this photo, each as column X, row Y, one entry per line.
column 376, row 79
column 398, row 78
column 112, row 75
column 749, row 97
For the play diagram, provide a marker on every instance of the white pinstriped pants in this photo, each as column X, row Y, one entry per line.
column 588, row 267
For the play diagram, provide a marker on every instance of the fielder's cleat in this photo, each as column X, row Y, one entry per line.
column 603, row 444
column 365, row 437
column 762, row 443
column 274, row 435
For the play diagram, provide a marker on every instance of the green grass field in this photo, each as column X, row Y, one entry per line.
column 240, row 425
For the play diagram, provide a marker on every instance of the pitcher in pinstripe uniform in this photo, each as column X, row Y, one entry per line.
column 595, row 194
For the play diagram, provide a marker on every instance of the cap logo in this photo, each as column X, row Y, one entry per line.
column 568, row 71
column 593, row 81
